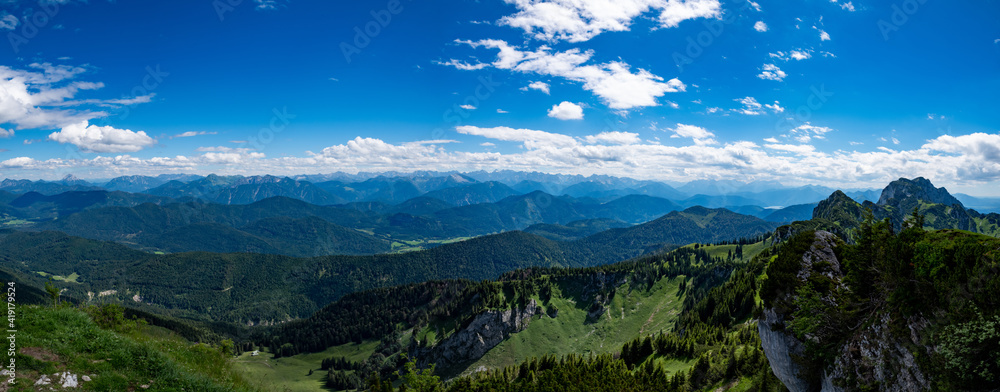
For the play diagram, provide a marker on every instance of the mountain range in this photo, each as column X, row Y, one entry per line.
column 889, row 293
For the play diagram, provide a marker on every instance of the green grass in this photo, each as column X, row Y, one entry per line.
column 51, row 340
column 72, row 278
column 291, row 374
column 403, row 246
column 630, row 314
column 749, row 250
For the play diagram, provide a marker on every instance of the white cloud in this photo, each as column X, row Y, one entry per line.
column 775, row 107
column 772, row 140
column 501, row 111
column 267, row 4
column 468, row 107
column 750, row 106
column 92, row 138
column 969, row 160
column 463, row 65
column 701, row 136
column 809, row 128
column 19, row 162
column 531, row 139
column 755, row 6
column 192, row 134
column 800, row 149
column 613, row 82
column 566, row 111
column 540, row 86
column 772, row 72
column 673, row 105
column 823, row 35
column 760, row 26
column 581, row 20
column 849, row 6
column 895, row 141
column 620, row 138
column 487, row 144
column 42, row 98
column 6, row 133
column 801, row 54
column 8, row 21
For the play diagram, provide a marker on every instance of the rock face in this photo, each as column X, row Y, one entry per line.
column 779, row 346
column 871, row 355
column 874, row 357
column 916, row 189
column 486, row 331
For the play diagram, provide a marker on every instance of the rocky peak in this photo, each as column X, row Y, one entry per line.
column 837, row 207
column 905, row 191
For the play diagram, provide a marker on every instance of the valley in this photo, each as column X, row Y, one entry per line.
column 671, row 303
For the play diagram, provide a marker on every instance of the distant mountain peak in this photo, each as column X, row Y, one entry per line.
column 916, row 189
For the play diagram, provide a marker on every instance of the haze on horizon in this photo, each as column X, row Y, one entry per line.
column 850, row 94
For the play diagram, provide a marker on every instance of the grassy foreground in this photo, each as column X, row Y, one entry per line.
column 127, row 356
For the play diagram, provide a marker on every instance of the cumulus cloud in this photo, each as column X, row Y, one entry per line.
column 92, row 138
column 42, row 97
column 530, row 138
column 6, row 133
column 192, row 134
column 772, row 72
column 8, row 21
column 540, row 86
column 760, row 26
column 581, row 20
column 614, row 82
column 468, row 107
column 960, row 159
column 753, row 108
column 621, row 138
column 566, row 111
column 823, row 35
column 800, row 149
column 701, row 136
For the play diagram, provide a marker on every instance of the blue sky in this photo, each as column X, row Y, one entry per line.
column 826, row 92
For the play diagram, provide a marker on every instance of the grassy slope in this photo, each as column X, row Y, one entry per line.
column 631, row 313
column 291, row 374
column 54, row 340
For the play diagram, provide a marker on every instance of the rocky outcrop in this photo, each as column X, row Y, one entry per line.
column 779, row 346
column 486, row 331
column 874, row 357
column 870, row 356
column 916, row 189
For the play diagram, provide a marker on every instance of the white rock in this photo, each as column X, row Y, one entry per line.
column 85, row 378
column 43, row 380
column 68, row 380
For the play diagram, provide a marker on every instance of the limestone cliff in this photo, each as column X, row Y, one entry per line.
column 870, row 355
column 485, row 331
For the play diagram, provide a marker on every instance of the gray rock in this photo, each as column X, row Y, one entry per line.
column 486, row 331
column 779, row 346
